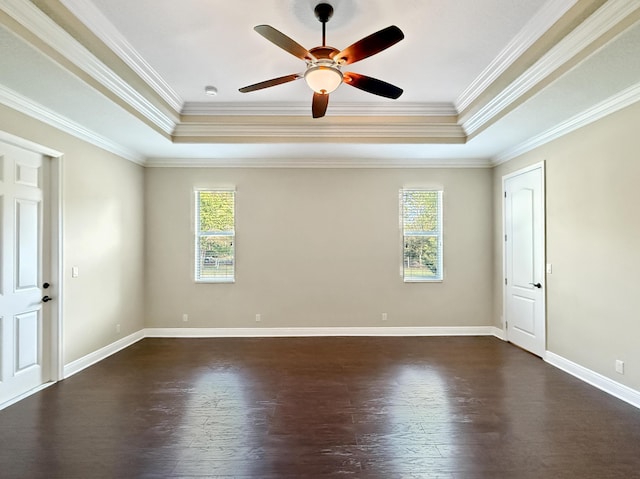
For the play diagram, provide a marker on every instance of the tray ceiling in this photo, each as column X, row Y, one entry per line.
column 483, row 80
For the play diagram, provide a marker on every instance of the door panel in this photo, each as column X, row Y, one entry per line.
column 27, row 339
column 24, row 330
column 524, row 312
column 525, row 315
column 27, row 175
column 26, row 244
column 522, row 237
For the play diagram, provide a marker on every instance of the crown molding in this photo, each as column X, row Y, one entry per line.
column 303, row 109
column 341, row 130
column 88, row 14
column 318, row 163
column 549, row 14
column 56, row 38
column 28, row 107
column 611, row 105
column 582, row 37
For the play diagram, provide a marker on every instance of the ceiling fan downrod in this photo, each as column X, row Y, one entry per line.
column 323, row 12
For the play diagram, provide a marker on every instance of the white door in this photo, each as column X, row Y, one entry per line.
column 524, row 220
column 24, row 329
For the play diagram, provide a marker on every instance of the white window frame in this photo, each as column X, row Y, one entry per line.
column 435, row 233
column 198, row 234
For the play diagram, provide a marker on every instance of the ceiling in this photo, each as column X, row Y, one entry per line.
column 483, row 80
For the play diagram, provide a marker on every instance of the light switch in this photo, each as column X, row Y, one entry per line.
column 549, row 268
column 74, row 271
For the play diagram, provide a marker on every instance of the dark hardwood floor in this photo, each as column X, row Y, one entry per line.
column 321, row 407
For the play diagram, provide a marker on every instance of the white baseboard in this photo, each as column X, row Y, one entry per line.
column 308, row 332
column 103, row 353
column 92, row 358
column 498, row 333
column 14, row 400
column 595, row 379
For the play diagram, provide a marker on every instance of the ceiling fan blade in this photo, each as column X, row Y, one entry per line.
column 319, row 105
column 272, row 82
column 372, row 85
column 280, row 39
column 374, row 43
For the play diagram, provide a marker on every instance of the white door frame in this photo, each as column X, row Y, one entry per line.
column 54, row 198
column 543, row 233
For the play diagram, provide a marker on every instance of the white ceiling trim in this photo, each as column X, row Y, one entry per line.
column 28, row 15
column 603, row 20
column 304, row 109
column 548, row 15
column 88, row 14
column 317, row 163
column 617, row 102
column 318, row 131
column 24, row 105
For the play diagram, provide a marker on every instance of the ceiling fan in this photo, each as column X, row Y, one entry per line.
column 323, row 73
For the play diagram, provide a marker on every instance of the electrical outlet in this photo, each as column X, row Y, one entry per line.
column 619, row 366
column 117, row 328
column 185, row 317
column 384, row 316
column 258, row 318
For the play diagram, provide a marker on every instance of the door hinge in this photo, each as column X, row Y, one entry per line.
column 505, row 281
column 505, row 194
column 505, row 238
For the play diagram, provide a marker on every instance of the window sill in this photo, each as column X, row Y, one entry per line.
column 215, row 281
column 408, row 280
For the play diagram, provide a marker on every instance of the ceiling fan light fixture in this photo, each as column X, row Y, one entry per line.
column 323, row 78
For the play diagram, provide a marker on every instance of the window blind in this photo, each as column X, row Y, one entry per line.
column 421, row 215
column 215, row 236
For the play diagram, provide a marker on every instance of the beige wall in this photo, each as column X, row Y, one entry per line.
column 103, row 207
column 593, row 242
column 319, row 247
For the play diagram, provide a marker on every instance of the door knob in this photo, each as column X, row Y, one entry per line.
column 46, row 285
column 46, row 299
column 536, row 285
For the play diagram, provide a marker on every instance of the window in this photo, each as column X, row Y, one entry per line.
column 421, row 216
column 215, row 236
